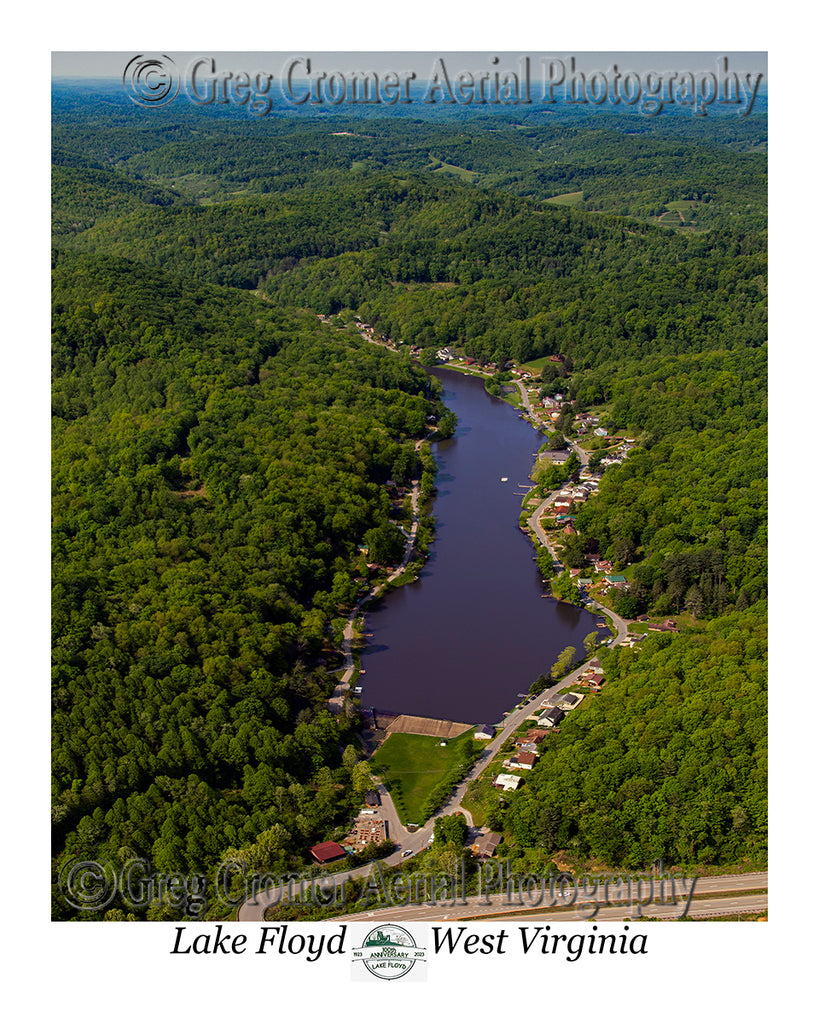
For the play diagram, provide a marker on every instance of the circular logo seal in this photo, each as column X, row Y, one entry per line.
column 151, row 80
column 389, row 952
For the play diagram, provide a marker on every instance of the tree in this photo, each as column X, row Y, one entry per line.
column 451, row 829
column 590, row 642
column 545, row 563
column 563, row 663
column 628, row 605
column 694, row 601
column 362, row 779
column 624, row 551
column 350, row 757
column 386, row 544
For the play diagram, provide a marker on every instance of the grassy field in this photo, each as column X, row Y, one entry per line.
column 411, row 766
column 535, row 365
column 566, row 199
column 680, row 213
column 458, row 172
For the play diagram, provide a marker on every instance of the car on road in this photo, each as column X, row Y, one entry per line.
column 407, row 853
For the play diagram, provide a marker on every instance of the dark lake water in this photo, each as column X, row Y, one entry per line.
column 475, row 630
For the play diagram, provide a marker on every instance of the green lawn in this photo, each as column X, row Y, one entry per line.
column 411, row 766
column 535, row 365
column 458, row 172
column 566, row 199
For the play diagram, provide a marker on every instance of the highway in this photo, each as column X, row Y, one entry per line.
column 717, row 896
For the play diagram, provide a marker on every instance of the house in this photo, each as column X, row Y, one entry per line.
column 372, row 799
column 569, row 701
column 323, row 853
column 614, row 579
column 531, row 739
column 522, row 761
column 595, row 681
column 484, row 732
column 486, row 844
column 552, row 718
column 507, row 782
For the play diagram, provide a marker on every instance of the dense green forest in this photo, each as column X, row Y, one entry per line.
column 220, row 456
column 216, row 464
column 670, row 761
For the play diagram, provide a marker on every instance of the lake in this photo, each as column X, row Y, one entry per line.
column 475, row 630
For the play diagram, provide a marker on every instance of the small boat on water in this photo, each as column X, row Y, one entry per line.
column 504, row 479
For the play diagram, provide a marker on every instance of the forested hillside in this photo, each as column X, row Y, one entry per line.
column 220, row 456
column 216, row 464
column 670, row 762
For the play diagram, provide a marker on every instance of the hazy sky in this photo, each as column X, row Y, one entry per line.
column 95, row 64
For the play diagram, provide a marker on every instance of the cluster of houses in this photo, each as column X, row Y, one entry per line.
column 616, row 456
column 551, row 713
column 570, row 497
column 524, row 758
column 553, row 406
column 584, row 422
column 611, row 580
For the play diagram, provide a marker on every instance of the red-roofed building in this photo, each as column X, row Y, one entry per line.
column 323, row 853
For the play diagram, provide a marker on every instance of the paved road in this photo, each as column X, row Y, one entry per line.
column 620, row 624
column 718, row 906
column 712, row 897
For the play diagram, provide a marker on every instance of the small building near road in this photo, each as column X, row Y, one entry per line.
column 372, row 799
column 553, row 717
column 486, row 844
column 323, row 853
column 484, row 732
column 531, row 736
column 507, row 782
